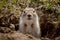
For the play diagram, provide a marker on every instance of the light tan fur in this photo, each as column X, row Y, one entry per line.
column 30, row 26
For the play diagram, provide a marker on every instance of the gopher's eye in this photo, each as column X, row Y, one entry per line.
column 33, row 11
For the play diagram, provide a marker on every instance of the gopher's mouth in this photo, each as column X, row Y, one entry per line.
column 29, row 18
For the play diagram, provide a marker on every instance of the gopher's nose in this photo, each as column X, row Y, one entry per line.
column 29, row 15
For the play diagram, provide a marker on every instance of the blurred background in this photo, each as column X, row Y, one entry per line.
column 47, row 10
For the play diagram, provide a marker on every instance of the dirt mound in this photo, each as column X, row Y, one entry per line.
column 16, row 36
column 8, row 34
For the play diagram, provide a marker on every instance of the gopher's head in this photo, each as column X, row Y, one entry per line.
column 29, row 13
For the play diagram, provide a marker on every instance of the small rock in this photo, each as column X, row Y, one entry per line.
column 12, row 26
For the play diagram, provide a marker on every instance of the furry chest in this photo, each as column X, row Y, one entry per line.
column 28, row 28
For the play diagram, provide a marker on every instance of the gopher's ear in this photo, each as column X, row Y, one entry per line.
column 21, row 14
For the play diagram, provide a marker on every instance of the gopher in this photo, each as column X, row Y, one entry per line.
column 29, row 22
